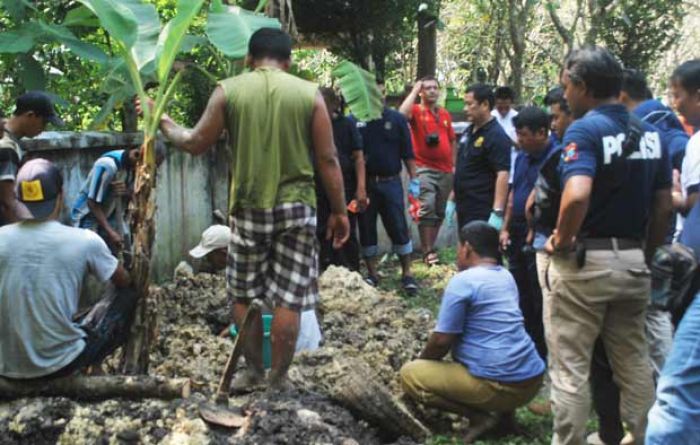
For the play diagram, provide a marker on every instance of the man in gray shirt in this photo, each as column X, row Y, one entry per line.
column 42, row 267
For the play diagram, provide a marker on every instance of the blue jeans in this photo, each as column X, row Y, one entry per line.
column 386, row 199
column 675, row 417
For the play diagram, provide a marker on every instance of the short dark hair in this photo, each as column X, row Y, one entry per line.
column 597, row 69
column 482, row 93
column 270, row 42
column 533, row 118
column 430, row 78
column 634, row 83
column 556, row 96
column 687, row 75
column 504, row 92
column 330, row 95
column 482, row 237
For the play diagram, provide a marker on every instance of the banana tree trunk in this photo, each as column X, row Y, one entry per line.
column 143, row 329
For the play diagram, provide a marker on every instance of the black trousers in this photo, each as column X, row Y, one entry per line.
column 523, row 266
column 347, row 256
column 606, row 397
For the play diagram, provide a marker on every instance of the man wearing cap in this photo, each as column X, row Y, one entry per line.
column 100, row 204
column 42, row 267
column 213, row 246
column 33, row 111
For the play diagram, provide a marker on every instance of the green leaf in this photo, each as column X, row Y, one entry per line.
column 31, row 73
column 16, row 9
column 190, row 42
column 21, row 39
column 360, row 90
column 261, row 5
column 104, row 113
column 81, row 16
column 148, row 29
column 230, row 31
column 117, row 19
column 217, row 6
column 82, row 49
column 173, row 34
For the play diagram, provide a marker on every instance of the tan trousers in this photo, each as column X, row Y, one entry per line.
column 608, row 297
column 450, row 386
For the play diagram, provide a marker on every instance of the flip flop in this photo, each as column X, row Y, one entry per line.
column 410, row 286
column 431, row 258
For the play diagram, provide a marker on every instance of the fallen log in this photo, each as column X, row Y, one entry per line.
column 353, row 384
column 97, row 388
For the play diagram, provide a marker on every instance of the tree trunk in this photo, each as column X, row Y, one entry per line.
column 143, row 330
column 427, row 44
column 97, row 388
column 130, row 119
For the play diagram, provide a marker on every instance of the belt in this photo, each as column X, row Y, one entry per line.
column 379, row 178
column 611, row 244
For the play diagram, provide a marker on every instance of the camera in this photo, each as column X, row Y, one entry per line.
column 432, row 139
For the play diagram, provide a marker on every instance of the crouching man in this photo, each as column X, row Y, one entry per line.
column 496, row 367
column 42, row 266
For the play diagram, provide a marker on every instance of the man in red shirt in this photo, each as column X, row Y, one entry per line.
column 434, row 145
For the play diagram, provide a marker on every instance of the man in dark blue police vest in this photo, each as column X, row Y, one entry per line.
column 483, row 162
column 616, row 199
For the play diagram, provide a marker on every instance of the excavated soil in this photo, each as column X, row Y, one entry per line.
column 357, row 321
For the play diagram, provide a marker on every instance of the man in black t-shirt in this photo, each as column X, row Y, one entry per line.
column 348, row 143
column 483, row 162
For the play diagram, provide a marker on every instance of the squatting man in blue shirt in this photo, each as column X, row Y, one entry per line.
column 495, row 367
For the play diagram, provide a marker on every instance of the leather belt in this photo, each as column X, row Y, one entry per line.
column 612, row 244
column 378, row 178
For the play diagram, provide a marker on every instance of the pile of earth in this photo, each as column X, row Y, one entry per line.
column 356, row 319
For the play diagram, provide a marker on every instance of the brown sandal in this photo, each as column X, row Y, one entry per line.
column 431, row 258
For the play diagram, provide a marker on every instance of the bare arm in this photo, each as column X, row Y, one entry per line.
column 500, row 196
column 438, row 346
column 406, row 107
column 97, row 210
column 411, row 167
column 659, row 219
column 329, row 170
column 360, row 173
column 507, row 216
column 121, row 277
column 574, row 206
column 7, row 202
column 199, row 139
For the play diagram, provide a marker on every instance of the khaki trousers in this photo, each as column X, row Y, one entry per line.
column 450, row 386
column 608, row 297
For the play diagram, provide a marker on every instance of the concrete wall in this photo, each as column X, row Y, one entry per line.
column 188, row 189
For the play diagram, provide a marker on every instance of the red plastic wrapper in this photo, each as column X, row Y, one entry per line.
column 414, row 207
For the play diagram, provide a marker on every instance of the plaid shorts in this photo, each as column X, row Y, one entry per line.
column 273, row 254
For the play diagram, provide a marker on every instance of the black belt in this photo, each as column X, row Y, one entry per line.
column 611, row 244
column 379, row 178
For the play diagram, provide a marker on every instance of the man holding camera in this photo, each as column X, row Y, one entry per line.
column 435, row 149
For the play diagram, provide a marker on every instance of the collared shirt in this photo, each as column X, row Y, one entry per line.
column 525, row 172
column 11, row 155
column 386, row 141
column 481, row 306
column 424, row 122
column 665, row 120
column 623, row 187
column 506, row 122
column 482, row 154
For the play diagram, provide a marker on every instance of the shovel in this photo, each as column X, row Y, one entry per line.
column 219, row 413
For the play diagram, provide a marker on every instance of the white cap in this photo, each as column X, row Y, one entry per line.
column 215, row 237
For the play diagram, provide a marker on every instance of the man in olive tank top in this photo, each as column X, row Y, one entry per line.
column 275, row 123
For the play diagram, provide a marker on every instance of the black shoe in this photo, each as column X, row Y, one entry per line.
column 372, row 280
column 410, row 286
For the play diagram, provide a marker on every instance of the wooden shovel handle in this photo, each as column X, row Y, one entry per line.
column 238, row 346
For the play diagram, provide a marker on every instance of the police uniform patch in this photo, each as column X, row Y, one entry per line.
column 32, row 191
column 570, row 153
column 479, row 142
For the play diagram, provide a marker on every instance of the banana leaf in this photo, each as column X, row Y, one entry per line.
column 173, row 34
column 21, row 39
column 230, row 30
column 360, row 90
column 118, row 20
column 80, row 48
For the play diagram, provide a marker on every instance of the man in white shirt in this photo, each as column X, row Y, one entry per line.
column 504, row 111
column 42, row 267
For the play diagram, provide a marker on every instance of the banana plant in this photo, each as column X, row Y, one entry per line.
column 146, row 50
column 360, row 90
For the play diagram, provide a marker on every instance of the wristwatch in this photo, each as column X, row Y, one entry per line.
column 498, row 212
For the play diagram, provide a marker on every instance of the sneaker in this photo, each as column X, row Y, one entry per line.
column 594, row 439
column 410, row 286
column 372, row 280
